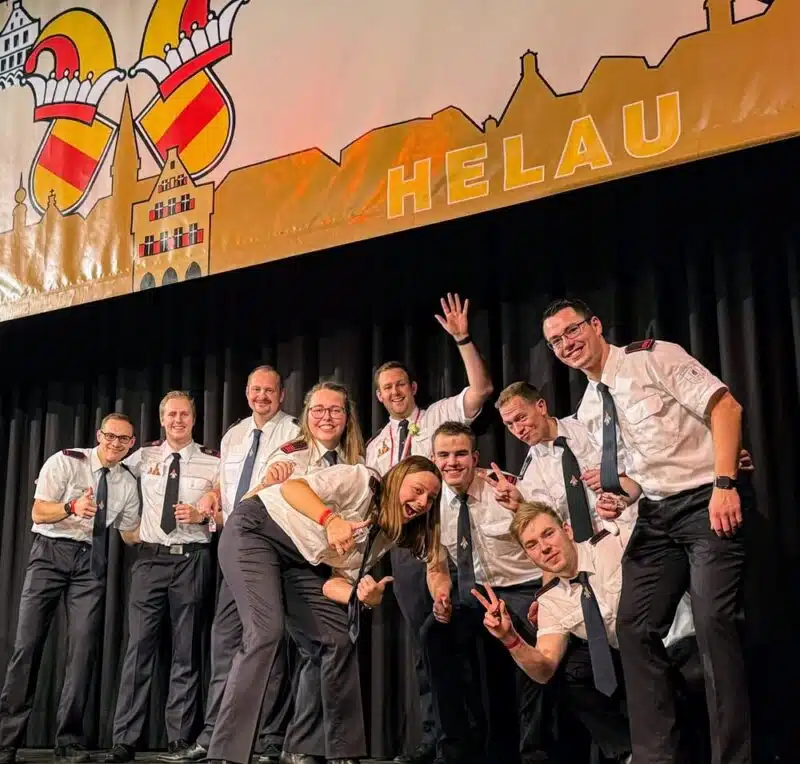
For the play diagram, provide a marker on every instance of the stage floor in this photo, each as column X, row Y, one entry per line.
column 42, row 755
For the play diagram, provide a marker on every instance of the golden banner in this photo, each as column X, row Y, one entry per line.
column 149, row 143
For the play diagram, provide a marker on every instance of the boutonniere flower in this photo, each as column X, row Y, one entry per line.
column 413, row 429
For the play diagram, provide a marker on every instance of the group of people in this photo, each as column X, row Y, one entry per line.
column 577, row 601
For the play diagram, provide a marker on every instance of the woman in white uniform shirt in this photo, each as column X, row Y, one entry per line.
column 296, row 553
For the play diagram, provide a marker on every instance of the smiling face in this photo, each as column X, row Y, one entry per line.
column 417, row 494
column 396, row 393
column 177, row 420
column 525, row 420
column 550, row 545
column 114, row 440
column 456, row 460
column 264, row 394
column 327, row 417
column 576, row 341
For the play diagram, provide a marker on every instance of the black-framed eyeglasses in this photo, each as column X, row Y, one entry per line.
column 570, row 333
column 110, row 437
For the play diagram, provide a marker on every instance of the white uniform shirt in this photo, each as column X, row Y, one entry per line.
column 661, row 396
column 345, row 489
column 199, row 473
column 543, row 479
column 306, row 459
column 65, row 477
column 236, row 445
column 560, row 610
column 382, row 450
column 496, row 556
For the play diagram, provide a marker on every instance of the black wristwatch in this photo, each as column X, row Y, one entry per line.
column 726, row 483
column 68, row 508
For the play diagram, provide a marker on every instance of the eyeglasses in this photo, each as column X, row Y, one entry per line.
column 110, row 437
column 318, row 412
column 570, row 333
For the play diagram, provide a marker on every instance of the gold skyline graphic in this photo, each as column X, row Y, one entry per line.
column 730, row 86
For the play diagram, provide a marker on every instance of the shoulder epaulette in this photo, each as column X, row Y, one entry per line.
column 551, row 584
column 230, row 427
column 73, row 454
column 293, row 446
column 127, row 469
column 635, row 347
column 295, row 421
column 152, row 443
column 598, row 537
column 209, row 451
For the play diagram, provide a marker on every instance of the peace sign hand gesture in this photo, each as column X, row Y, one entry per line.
column 496, row 620
column 506, row 494
column 454, row 321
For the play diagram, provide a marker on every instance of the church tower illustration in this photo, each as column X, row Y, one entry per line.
column 16, row 40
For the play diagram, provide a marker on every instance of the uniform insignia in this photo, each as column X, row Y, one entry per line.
column 173, row 475
column 209, row 451
column 154, row 470
column 153, row 443
column 607, row 420
column 635, row 347
column 73, row 454
column 293, row 446
column 598, row 537
column 551, row 584
column 573, row 481
column 464, row 543
column 384, row 449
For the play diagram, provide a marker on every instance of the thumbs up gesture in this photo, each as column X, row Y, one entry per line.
column 85, row 506
column 370, row 591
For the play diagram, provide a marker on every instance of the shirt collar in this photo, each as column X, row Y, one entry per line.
column 276, row 420
column 411, row 418
column 585, row 565
column 609, row 375
column 318, row 452
column 187, row 452
column 474, row 492
column 94, row 460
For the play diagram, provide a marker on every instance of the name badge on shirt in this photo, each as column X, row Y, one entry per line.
column 384, row 449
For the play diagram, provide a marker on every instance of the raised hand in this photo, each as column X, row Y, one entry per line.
column 496, row 620
column 506, row 494
column 370, row 591
column 341, row 533
column 454, row 321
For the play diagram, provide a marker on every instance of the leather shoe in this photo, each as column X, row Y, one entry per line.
column 425, row 753
column 270, row 755
column 8, row 754
column 120, row 754
column 193, row 752
column 299, row 758
column 344, row 761
column 73, row 753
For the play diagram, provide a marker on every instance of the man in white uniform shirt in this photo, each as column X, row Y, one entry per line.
column 170, row 576
column 677, row 429
column 479, row 551
column 409, row 431
column 80, row 494
column 244, row 451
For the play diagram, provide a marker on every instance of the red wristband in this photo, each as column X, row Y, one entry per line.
column 324, row 517
column 72, row 507
column 513, row 643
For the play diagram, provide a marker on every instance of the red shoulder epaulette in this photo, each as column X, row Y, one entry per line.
column 152, row 443
column 209, row 451
column 293, row 446
column 551, row 584
column 599, row 536
column 73, row 454
column 635, row 347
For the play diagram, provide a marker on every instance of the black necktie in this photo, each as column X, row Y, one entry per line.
column 171, row 494
column 579, row 516
column 464, row 560
column 605, row 676
column 100, row 529
column 331, row 457
column 247, row 470
column 353, row 604
column 609, row 471
column 402, row 435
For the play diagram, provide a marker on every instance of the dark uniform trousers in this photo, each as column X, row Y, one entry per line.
column 512, row 702
column 410, row 589
column 226, row 639
column 274, row 586
column 163, row 582
column 56, row 567
column 673, row 548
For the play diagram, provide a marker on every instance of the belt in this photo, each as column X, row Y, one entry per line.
column 173, row 549
column 65, row 540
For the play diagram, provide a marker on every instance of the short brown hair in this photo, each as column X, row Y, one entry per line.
column 118, row 416
column 454, row 429
column 269, row 369
column 388, row 366
column 524, row 390
column 527, row 512
column 171, row 396
column 563, row 303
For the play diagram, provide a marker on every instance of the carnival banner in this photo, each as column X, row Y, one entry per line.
column 146, row 142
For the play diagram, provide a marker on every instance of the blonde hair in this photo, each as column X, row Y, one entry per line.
column 527, row 512
column 421, row 535
column 352, row 441
column 171, row 396
column 524, row 390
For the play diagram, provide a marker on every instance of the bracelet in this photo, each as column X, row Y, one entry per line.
column 325, row 517
column 464, row 340
column 513, row 643
column 69, row 507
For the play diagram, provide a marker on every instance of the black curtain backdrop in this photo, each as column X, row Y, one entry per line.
column 704, row 255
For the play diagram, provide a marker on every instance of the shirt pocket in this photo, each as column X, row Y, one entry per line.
column 192, row 488
column 498, row 530
column 232, row 468
column 653, row 427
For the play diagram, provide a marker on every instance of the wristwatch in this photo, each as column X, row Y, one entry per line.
column 726, row 483
column 68, row 508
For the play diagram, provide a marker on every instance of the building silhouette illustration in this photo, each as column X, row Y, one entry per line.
column 16, row 40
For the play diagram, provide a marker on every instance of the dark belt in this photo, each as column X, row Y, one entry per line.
column 173, row 549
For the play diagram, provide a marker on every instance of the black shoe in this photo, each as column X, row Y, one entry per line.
column 425, row 753
column 344, row 761
column 74, row 753
column 120, row 754
column 270, row 755
column 193, row 752
column 8, row 754
column 299, row 758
